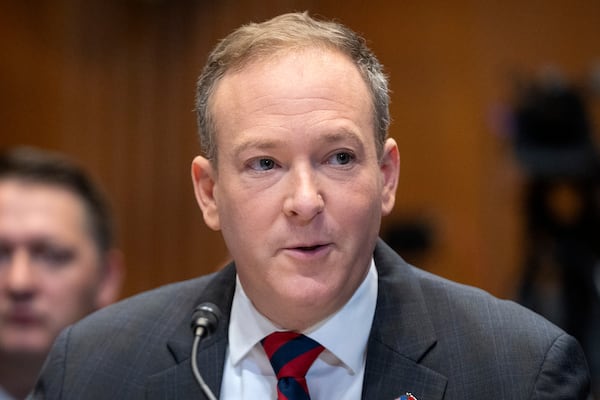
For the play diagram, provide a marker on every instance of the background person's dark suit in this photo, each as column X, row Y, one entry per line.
column 431, row 337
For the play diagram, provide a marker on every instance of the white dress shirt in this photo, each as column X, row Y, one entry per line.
column 336, row 374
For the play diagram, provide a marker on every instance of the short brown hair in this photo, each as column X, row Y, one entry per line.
column 51, row 168
column 288, row 32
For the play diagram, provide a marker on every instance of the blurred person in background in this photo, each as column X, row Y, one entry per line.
column 57, row 259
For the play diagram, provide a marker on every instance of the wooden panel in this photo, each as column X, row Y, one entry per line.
column 112, row 83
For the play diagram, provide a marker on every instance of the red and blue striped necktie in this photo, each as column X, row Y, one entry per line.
column 291, row 355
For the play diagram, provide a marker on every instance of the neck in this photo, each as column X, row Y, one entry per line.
column 18, row 373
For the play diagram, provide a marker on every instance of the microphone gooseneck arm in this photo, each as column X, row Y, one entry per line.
column 204, row 322
column 197, row 374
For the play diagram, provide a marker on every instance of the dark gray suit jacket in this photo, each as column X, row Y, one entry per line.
column 433, row 338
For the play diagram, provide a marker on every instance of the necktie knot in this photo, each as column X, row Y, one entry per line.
column 291, row 355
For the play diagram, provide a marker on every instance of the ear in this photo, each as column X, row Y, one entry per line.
column 111, row 279
column 390, row 171
column 204, row 180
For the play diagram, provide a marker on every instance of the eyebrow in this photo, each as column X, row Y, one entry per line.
column 257, row 143
column 327, row 138
column 343, row 135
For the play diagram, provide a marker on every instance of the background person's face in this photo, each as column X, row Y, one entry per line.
column 49, row 265
column 299, row 192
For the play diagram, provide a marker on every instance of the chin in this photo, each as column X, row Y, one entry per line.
column 310, row 297
column 28, row 345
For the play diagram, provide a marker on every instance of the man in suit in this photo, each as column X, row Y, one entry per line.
column 297, row 172
column 57, row 259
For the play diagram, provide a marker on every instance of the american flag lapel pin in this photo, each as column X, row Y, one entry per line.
column 407, row 396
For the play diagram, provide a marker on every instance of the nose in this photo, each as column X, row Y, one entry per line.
column 20, row 274
column 304, row 200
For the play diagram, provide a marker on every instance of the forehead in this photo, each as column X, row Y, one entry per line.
column 291, row 77
column 305, row 91
column 29, row 209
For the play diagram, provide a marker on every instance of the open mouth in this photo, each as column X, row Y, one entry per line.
column 310, row 248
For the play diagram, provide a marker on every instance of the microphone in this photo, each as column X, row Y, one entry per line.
column 205, row 320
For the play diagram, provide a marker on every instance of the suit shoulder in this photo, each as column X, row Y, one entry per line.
column 476, row 328
column 469, row 312
column 479, row 312
column 162, row 306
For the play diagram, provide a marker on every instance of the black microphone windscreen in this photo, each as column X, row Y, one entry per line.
column 207, row 316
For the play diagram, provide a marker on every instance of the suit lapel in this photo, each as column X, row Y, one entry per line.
column 177, row 381
column 401, row 336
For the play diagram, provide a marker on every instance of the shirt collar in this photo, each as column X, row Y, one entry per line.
column 248, row 326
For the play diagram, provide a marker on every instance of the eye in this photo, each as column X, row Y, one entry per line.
column 341, row 158
column 262, row 164
column 51, row 255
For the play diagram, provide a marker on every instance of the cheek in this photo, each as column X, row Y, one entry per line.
column 247, row 212
column 246, row 233
column 358, row 213
column 361, row 198
column 73, row 293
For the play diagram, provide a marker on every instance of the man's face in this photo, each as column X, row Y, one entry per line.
column 298, row 192
column 49, row 265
